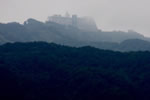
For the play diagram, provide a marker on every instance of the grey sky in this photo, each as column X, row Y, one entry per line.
column 109, row 14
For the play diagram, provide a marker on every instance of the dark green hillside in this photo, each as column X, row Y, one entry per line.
column 42, row 71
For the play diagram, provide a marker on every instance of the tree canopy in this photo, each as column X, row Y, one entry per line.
column 43, row 71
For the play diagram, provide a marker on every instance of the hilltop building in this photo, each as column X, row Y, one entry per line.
column 83, row 23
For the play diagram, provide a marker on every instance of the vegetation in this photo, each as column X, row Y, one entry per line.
column 33, row 30
column 42, row 71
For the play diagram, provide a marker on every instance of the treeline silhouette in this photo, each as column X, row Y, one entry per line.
column 43, row 71
column 34, row 30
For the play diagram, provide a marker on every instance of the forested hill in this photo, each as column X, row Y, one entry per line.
column 33, row 30
column 42, row 71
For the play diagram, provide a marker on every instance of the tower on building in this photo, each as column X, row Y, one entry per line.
column 74, row 20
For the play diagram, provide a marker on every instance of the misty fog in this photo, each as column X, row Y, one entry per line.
column 108, row 14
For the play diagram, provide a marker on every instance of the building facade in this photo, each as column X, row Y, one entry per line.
column 82, row 23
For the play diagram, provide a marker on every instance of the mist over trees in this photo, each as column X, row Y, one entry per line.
column 33, row 30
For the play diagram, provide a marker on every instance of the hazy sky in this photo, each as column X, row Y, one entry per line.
column 109, row 14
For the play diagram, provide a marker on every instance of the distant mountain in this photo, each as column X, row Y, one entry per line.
column 33, row 30
column 42, row 71
column 134, row 45
column 14, row 32
column 127, row 45
column 3, row 40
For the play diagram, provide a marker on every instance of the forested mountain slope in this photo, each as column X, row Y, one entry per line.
column 42, row 71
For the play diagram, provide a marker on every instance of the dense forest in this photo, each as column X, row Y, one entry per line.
column 43, row 71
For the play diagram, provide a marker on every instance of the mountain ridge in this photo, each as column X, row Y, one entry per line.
column 34, row 30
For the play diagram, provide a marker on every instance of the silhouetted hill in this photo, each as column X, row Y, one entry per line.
column 134, row 45
column 42, row 71
column 14, row 32
column 125, row 46
column 33, row 30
